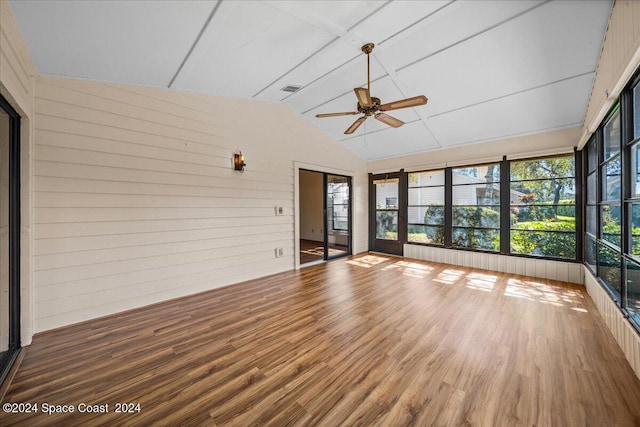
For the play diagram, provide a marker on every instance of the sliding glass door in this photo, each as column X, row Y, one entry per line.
column 9, row 236
column 325, row 216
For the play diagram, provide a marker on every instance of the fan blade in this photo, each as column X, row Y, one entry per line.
column 350, row 113
column 364, row 97
column 404, row 103
column 355, row 125
column 388, row 120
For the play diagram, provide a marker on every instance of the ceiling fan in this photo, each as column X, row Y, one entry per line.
column 371, row 106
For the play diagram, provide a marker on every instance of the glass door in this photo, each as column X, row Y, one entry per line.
column 386, row 219
column 9, row 237
column 337, row 216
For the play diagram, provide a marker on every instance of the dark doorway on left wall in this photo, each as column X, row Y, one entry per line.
column 325, row 216
column 9, row 236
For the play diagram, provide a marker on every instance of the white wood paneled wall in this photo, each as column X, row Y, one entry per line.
column 136, row 201
column 623, row 332
column 544, row 269
column 618, row 61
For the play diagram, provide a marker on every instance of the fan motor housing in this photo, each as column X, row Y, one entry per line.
column 369, row 111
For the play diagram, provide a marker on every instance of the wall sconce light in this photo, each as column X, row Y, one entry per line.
column 238, row 162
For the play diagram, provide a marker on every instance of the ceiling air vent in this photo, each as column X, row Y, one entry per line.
column 291, row 88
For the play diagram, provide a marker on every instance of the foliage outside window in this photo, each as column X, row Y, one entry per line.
column 609, row 266
column 426, row 207
column 476, row 207
column 387, row 209
column 543, row 207
column 631, row 289
column 609, row 206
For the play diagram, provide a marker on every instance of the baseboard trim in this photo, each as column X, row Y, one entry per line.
column 540, row 268
column 624, row 333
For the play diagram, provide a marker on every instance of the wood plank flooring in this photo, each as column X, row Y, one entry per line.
column 312, row 251
column 366, row 340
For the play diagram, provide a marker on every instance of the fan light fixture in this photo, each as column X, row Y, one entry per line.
column 372, row 106
column 238, row 162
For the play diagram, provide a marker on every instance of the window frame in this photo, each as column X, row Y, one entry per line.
column 409, row 205
column 503, row 207
column 452, row 206
column 623, row 107
column 577, row 160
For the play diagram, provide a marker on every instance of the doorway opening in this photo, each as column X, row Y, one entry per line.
column 387, row 222
column 325, row 216
column 9, row 236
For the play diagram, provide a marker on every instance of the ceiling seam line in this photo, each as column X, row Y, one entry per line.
column 321, row 77
column 337, row 37
column 296, row 66
column 342, row 94
column 393, row 75
column 473, row 35
column 387, row 3
column 428, row 56
column 417, row 22
column 513, row 93
column 195, row 43
column 517, row 134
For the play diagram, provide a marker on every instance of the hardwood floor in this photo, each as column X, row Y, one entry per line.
column 312, row 251
column 366, row 340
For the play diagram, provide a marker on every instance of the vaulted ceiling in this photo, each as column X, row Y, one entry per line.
column 491, row 69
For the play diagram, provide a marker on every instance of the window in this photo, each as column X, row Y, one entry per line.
column 633, row 289
column 636, row 111
column 612, row 202
column 631, row 285
column 612, row 136
column 426, row 207
column 476, row 207
column 609, row 243
column 591, row 211
column 609, row 269
column 543, row 207
column 338, row 205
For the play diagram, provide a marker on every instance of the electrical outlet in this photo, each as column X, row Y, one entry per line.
column 279, row 252
column 279, row 210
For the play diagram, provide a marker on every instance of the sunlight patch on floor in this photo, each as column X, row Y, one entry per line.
column 449, row 276
column 540, row 292
column 481, row 282
column 411, row 269
column 367, row 261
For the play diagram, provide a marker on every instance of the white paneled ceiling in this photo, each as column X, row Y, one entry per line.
column 491, row 69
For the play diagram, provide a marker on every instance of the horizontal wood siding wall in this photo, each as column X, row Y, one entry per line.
column 541, row 268
column 624, row 333
column 618, row 60
column 136, row 201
